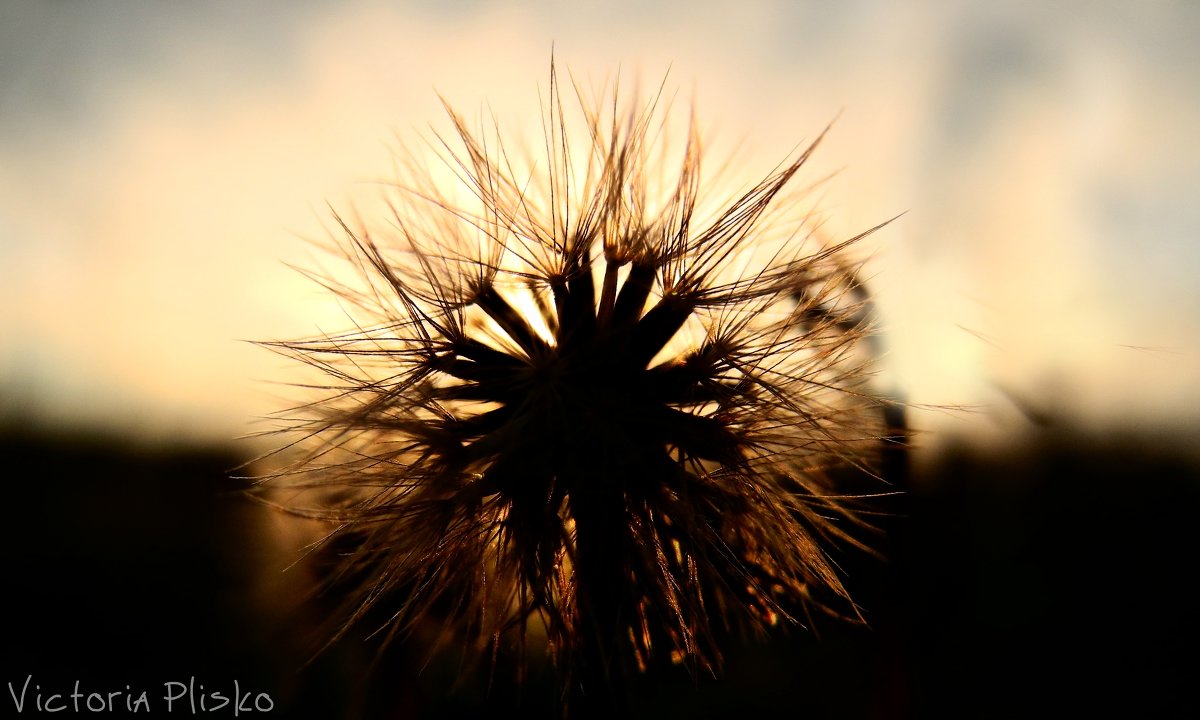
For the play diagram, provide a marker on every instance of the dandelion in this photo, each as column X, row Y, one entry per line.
column 594, row 402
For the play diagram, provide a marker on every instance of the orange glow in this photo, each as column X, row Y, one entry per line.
column 1045, row 177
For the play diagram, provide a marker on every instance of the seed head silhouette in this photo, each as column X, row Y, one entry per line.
column 594, row 399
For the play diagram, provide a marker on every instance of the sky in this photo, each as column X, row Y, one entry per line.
column 161, row 165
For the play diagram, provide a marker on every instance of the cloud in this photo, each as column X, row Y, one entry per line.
column 157, row 163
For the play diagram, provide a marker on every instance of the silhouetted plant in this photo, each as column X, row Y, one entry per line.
column 593, row 401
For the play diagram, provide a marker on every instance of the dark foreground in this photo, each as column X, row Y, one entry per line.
column 1057, row 581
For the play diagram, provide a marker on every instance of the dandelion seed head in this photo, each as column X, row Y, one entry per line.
column 588, row 391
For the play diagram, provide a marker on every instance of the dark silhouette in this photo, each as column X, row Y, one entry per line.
column 1054, row 580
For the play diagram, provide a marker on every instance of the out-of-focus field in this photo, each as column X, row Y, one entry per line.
column 1053, row 579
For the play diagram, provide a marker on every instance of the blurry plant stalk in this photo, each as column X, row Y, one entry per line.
column 591, row 397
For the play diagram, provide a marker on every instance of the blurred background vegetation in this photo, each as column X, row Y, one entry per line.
column 1055, row 577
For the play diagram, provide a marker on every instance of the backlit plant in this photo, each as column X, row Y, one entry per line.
column 585, row 397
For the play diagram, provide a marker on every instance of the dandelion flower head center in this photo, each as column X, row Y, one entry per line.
column 588, row 402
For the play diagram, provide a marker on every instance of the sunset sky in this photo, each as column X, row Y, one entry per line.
column 161, row 163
